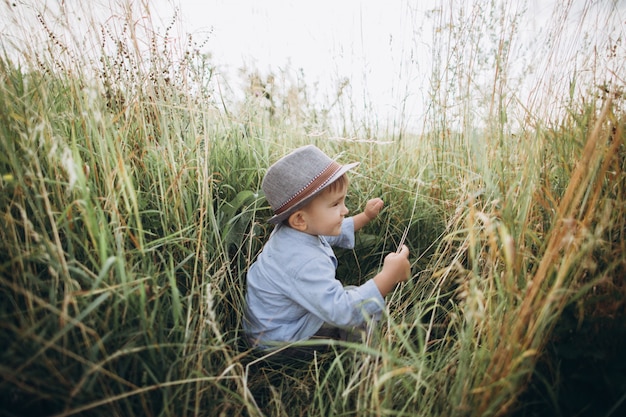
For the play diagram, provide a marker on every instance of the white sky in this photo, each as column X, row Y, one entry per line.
column 315, row 35
column 362, row 40
column 383, row 47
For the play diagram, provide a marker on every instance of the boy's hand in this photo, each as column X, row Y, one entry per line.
column 396, row 268
column 398, row 265
column 373, row 207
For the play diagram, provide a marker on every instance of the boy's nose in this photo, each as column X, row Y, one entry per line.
column 345, row 210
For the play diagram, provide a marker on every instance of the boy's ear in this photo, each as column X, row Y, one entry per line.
column 297, row 220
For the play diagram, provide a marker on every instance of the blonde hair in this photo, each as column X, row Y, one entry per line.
column 340, row 183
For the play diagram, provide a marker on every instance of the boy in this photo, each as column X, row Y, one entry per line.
column 292, row 293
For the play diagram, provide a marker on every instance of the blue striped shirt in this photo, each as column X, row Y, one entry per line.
column 292, row 289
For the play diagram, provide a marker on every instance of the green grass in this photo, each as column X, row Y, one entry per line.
column 131, row 209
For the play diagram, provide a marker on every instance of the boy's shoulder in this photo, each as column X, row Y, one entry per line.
column 287, row 238
column 289, row 249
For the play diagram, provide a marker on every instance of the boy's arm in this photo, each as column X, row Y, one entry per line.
column 372, row 208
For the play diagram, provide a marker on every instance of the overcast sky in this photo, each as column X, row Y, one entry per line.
column 382, row 47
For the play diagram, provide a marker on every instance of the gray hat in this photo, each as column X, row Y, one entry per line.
column 296, row 178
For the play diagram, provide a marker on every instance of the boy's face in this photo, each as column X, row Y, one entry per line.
column 325, row 213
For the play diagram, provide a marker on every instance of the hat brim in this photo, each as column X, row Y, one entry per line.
column 279, row 218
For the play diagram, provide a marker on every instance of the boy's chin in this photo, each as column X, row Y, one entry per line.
column 335, row 232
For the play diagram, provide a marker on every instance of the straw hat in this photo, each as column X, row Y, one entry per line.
column 293, row 181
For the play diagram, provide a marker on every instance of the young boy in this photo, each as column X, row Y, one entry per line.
column 292, row 293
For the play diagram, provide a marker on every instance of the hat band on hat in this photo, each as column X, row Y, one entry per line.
column 310, row 188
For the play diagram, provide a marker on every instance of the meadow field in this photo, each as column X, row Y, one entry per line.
column 131, row 208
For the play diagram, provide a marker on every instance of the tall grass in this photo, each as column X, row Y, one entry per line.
column 131, row 210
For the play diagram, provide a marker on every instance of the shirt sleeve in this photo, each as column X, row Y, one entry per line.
column 317, row 290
